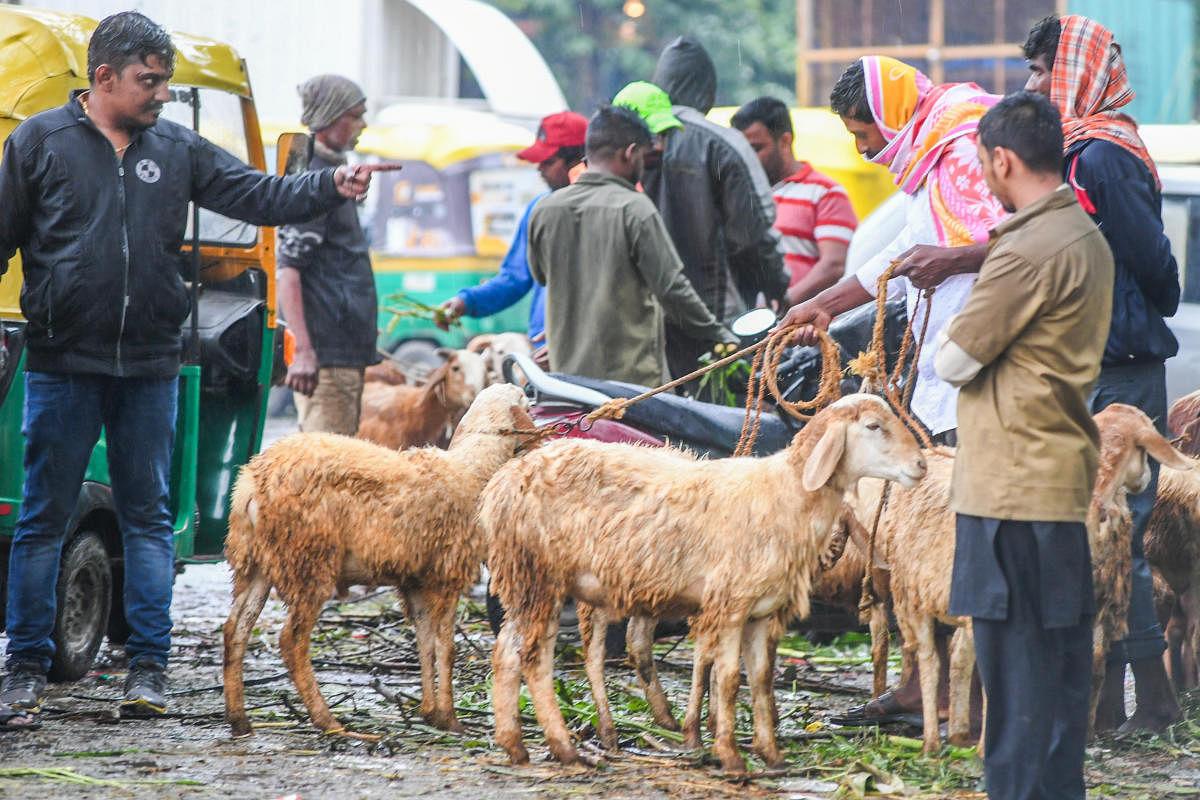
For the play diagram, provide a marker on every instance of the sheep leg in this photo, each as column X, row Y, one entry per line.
column 1099, row 667
column 294, row 641
column 247, row 606
column 1189, row 603
column 726, row 677
column 443, row 608
column 758, row 651
column 593, row 626
column 881, row 639
column 929, row 665
column 639, row 638
column 962, row 665
column 703, row 647
column 421, row 615
column 539, row 676
column 506, row 688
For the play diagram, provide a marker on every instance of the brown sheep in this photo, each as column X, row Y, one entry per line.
column 732, row 543
column 400, row 416
column 1172, row 545
column 918, row 521
column 317, row 512
column 1184, row 421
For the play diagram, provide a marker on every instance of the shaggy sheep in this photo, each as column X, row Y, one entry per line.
column 918, row 521
column 1172, row 543
column 399, row 416
column 1184, row 421
column 657, row 532
column 316, row 512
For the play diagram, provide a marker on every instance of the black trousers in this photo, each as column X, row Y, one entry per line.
column 1037, row 681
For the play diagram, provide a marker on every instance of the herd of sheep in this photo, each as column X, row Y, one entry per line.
column 739, row 546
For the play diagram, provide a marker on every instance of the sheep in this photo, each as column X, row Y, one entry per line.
column 316, row 512
column 494, row 347
column 829, row 585
column 658, row 532
column 400, row 416
column 918, row 521
column 1172, row 545
column 385, row 372
column 1184, row 421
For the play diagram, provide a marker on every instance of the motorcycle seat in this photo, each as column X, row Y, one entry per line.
column 706, row 428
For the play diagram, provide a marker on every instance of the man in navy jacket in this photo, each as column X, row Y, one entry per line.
column 1075, row 61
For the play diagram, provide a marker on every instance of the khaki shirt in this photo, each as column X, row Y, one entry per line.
column 611, row 272
column 1036, row 321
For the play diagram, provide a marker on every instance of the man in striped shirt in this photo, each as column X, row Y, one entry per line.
column 813, row 214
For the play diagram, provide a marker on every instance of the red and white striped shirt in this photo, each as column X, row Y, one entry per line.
column 810, row 208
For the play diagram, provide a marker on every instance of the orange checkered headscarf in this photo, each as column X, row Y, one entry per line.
column 1088, row 84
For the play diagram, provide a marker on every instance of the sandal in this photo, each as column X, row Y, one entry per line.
column 879, row 711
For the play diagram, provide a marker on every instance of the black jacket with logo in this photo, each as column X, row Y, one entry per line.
column 100, row 237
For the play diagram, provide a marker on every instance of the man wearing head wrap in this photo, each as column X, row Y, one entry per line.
column 326, row 286
column 926, row 136
column 1075, row 61
column 715, row 200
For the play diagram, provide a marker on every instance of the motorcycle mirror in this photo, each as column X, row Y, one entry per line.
column 753, row 325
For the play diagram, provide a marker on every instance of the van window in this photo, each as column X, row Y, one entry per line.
column 221, row 122
column 498, row 199
column 1181, row 222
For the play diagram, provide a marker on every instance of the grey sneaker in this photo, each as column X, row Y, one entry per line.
column 24, row 687
column 145, row 689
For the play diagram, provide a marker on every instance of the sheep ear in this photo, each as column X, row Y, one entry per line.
column 522, row 420
column 1161, row 451
column 824, row 458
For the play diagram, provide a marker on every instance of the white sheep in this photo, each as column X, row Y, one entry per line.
column 495, row 347
column 916, row 536
column 732, row 543
column 399, row 416
column 317, row 512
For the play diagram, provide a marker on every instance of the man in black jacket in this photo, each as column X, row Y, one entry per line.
column 95, row 197
column 715, row 200
column 1075, row 61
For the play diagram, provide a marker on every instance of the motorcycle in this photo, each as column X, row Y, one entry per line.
column 563, row 401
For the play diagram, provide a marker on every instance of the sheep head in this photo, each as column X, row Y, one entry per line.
column 1128, row 440
column 457, row 381
column 1184, row 421
column 499, row 407
column 494, row 347
column 859, row 437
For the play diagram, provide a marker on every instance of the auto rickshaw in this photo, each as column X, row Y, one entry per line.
column 231, row 343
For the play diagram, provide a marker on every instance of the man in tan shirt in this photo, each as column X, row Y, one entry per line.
column 1026, row 350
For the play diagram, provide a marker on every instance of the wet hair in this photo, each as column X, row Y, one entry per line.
column 1043, row 40
column 849, row 95
column 770, row 111
column 1029, row 125
column 571, row 155
column 612, row 129
column 127, row 38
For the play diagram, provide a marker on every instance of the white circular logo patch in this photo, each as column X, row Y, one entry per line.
column 148, row 171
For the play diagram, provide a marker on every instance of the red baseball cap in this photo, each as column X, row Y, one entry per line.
column 564, row 129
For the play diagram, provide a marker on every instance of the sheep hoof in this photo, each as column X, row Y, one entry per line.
column 518, row 755
column 961, row 740
column 240, row 730
column 773, row 759
column 608, row 739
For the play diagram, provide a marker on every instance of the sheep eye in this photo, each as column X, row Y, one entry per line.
column 872, row 426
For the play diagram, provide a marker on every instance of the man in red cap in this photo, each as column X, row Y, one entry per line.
column 556, row 151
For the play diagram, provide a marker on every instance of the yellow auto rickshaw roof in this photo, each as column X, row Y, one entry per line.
column 43, row 55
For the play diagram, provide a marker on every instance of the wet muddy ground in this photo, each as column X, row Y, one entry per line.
column 366, row 664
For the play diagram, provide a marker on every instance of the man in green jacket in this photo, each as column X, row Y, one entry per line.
column 610, row 270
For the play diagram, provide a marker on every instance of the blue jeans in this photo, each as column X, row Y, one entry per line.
column 62, row 422
column 1143, row 386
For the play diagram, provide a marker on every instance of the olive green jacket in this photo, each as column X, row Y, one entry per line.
column 611, row 274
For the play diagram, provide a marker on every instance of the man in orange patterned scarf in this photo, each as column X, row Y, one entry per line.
column 1075, row 61
column 926, row 136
